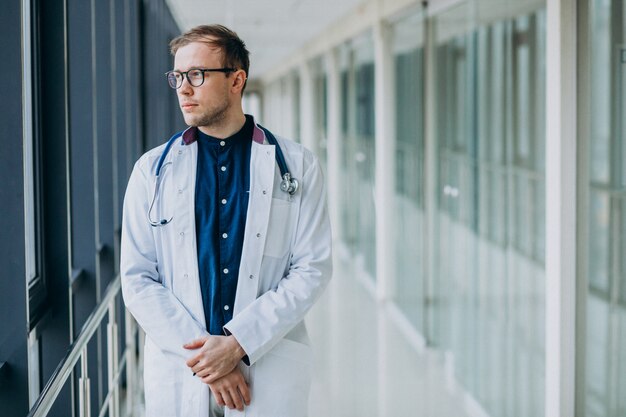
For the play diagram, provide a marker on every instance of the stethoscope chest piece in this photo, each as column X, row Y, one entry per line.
column 288, row 184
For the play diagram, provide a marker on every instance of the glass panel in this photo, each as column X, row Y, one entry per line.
column 319, row 108
column 410, row 181
column 606, row 306
column 601, row 81
column 364, row 156
column 489, row 295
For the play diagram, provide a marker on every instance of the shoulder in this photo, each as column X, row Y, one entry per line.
column 297, row 152
column 148, row 161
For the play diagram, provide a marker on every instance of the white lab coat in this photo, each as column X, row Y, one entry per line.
column 285, row 265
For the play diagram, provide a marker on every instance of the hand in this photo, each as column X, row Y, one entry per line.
column 217, row 356
column 231, row 390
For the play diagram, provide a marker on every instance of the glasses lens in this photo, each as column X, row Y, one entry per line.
column 174, row 79
column 196, row 77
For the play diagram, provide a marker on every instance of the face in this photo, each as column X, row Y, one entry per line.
column 209, row 104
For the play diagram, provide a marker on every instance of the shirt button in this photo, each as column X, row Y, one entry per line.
column 223, row 169
column 186, row 276
column 264, row 192
column 180, row 152
column 226, row 270
column 258, row 235
column 182, row 233
column 180, row 191
column 224, row 201
column 222, row 143
column 226, row 308
column 251, row 276
column 224, row 235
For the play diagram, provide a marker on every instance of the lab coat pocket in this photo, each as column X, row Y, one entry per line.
column 279, row 229
column 282, row 380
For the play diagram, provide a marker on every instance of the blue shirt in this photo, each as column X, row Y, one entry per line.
column 222, row 191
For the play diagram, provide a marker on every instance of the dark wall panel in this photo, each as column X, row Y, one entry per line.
column 100, row 99
column 13, row 332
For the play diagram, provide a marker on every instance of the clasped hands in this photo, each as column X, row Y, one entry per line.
column 215, row 363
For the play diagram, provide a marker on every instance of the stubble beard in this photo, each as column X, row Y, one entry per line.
column 211, row 118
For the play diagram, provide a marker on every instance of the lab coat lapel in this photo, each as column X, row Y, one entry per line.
column 185, row 162
column 262, row 167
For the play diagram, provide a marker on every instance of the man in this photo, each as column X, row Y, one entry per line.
column 219, row 264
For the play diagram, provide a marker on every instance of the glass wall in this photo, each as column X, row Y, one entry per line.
column 358, row 158
column 490, row 279
column 605, row 374
column 408, row 50
column 320, row 101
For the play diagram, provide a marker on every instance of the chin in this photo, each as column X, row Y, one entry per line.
column 191, row 121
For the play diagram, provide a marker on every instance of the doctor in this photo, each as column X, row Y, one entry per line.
column 226, row 245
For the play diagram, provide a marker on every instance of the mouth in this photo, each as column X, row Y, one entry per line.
column 187, row 106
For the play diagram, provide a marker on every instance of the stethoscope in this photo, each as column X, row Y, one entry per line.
column 287, row 184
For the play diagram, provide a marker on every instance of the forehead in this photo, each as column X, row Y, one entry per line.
column 197, row 54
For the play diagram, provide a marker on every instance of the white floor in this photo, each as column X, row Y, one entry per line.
column 365, row 367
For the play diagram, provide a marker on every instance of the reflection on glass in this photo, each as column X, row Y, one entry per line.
column 410, row 181
column 606, row 299
column 319, row 109
column 358, row 150
column 489, row 288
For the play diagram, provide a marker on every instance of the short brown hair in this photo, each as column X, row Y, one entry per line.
column 235, row 54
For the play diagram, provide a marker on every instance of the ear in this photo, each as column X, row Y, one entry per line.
column 239, row 81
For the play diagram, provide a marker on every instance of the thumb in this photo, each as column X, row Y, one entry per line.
column 194, row 344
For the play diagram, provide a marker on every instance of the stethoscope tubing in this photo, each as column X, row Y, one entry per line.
column 288, row 184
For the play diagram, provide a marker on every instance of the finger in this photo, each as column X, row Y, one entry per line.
column 194, row 344
column 234, row 394
column 227, row 399
column 203, row 372
column 197, row 368
column 193, row 361
column 218, row 398
column 244, row 390
column 212, row 377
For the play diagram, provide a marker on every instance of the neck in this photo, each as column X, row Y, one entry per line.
column 229, row 126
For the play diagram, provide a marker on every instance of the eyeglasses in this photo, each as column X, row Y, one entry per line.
column 195, row 76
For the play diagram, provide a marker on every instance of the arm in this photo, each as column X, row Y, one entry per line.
column 273, row 314
column 160, row 314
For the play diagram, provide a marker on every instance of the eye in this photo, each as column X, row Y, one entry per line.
column 195, row 74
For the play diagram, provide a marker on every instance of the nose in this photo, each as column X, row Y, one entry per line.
column 185, row 88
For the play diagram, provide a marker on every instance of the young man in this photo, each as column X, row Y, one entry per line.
column 221, row 254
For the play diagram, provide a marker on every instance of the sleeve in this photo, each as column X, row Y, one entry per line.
column 273, row 314
column 160, row 314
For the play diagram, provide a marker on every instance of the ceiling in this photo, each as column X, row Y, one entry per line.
column 272, row 30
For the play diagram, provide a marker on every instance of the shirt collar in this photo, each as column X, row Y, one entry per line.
column 190, row 135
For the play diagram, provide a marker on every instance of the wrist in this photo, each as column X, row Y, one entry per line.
column 240, row 353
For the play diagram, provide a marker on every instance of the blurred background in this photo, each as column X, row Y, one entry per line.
column 475, row 155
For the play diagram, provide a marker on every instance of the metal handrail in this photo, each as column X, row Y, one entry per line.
column 77, row 351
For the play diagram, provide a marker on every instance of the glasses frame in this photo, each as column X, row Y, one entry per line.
column 185, row 74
